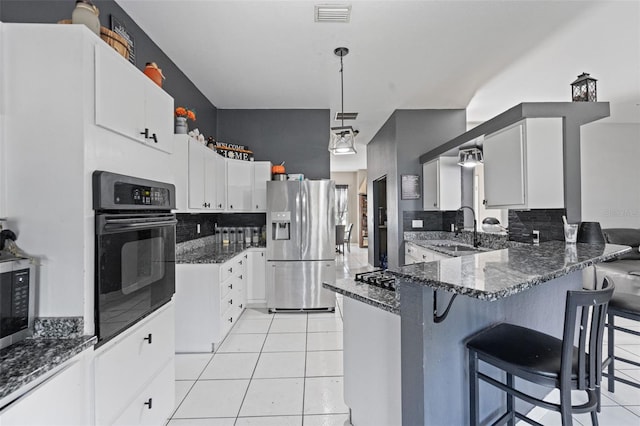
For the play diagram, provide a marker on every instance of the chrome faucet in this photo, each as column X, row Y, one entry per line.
column 476, row 243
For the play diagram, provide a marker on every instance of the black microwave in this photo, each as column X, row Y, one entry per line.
column 17, row 300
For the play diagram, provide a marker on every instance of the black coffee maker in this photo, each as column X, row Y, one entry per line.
column 591, row 233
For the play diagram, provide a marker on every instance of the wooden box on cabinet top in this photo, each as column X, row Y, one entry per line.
column 523, row 165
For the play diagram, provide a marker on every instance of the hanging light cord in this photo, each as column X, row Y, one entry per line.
column 342, row 88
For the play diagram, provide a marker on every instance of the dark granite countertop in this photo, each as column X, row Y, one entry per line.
column 29, row 359
column 500, row 273
column 447, row 247
column 369, row 294
column 207, row 251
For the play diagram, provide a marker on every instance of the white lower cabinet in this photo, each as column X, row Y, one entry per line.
column 62, row 399
column 135, row 368
column 256, row 277
column 149, row 406
column 414, row 253
column 210, row 297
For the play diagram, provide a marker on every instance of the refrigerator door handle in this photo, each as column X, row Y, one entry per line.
column 303, row 220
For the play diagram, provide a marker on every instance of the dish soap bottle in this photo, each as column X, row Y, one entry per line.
column 86, row 13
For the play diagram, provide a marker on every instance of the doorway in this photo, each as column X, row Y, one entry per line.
column 380, row 255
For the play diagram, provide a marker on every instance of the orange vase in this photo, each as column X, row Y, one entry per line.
column 154, row 74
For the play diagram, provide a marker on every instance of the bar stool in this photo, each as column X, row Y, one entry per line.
column 623, row 305
column 539, row 358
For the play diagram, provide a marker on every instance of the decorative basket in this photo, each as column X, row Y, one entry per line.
column 116, row 41
column 113, row 39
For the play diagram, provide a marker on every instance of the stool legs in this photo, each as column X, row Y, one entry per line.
column 511, row 409
column 474, row 411
column 610, row 346
column 565, row 407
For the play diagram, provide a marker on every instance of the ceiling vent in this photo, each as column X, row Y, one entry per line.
column 346, row 116
column 332, row 13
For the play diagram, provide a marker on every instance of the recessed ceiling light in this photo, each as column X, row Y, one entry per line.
column 346, row 116
column 332, row 13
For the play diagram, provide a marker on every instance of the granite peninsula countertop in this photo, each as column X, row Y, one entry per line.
column 29, row 359
column 497, row 274
column 366, row 293
column 205, row 250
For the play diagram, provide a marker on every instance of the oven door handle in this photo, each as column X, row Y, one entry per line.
column 126, row 224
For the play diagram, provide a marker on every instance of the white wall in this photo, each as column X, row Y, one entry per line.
column 611, row 174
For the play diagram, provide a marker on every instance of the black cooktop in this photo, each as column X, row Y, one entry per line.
column 377, row 277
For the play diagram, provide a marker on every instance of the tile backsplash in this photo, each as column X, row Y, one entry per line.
column 547, row 221
column 187, row 227
column 431, row 220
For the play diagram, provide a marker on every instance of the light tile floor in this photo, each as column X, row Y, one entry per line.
column 286, row 370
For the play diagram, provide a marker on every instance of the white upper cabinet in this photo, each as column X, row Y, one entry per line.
column 261, row 174
column 130, row 104
column 239, row 185
column 205, row 168
column 523, row 165
column 441, row 184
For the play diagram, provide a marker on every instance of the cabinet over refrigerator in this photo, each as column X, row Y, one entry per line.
column 300, row 244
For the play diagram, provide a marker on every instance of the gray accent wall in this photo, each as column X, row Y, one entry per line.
column 395, row 150
column 176, row 84
column 299, row 137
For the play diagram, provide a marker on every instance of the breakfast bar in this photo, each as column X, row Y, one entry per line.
column 443, row 303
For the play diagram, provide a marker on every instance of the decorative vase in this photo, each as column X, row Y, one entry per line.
column 181, row 126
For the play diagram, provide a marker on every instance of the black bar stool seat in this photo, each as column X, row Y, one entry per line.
column 624, row 305
column 545, row 360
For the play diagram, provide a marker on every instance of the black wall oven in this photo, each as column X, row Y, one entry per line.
column 135, row 250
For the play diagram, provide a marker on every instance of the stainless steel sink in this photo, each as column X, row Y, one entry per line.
column 457, row 247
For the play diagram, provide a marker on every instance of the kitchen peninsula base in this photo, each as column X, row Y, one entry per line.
column 434, row 357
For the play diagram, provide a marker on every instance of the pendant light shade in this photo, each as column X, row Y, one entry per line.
column 470, row 157
column 342, row 140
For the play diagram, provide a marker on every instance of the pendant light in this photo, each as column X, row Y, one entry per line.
column 470, row 157
column 342, row 139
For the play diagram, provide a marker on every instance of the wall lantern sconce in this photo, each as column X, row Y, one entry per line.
column 584, row 89
column 470, row 157
column 342, row 139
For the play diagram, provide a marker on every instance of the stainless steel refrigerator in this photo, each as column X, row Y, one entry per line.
column 301, row 243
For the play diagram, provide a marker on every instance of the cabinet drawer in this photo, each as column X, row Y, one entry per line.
column 227, row 301
column 227, row 270
column 154, row 404
column 226, row 287
column 123, row 368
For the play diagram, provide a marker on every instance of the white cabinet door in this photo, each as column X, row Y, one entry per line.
column 125, row 366
column 154, row 405
column 256, row 274
column 62, row 399
column 198, row 309
column 220, row 182
column 119, row 95
column 128, row 103
column 197, row 175
column 261, row 174
column 239, row 185
column 504, row 167
column 523, row 165
column 158, row 117
column 441, row 182
column 431, row 185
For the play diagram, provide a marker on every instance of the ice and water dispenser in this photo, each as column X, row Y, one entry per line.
column 281, row 225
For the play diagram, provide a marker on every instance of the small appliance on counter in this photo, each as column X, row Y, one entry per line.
column 17, row 294
column 491, row 224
